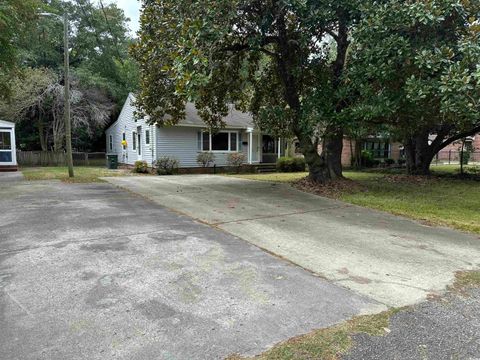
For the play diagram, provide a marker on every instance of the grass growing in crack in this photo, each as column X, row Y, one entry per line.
column 327, row 344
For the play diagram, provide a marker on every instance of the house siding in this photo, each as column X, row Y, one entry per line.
column 126, row 123
column 181, row 143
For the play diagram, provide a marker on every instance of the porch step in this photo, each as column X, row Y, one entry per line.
column 8, row 168
column 266, row 169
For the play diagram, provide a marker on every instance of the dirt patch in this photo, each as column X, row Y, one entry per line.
column 332, row 190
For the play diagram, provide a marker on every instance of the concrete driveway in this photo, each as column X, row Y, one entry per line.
column 95, row 272
column 390, row 259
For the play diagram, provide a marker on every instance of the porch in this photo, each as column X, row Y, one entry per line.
column 263, row 148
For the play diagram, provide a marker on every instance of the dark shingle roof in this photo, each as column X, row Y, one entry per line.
column 234, row 119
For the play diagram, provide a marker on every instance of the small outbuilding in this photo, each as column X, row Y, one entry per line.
column 8, row 153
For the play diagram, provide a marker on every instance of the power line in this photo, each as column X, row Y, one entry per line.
column 115, row 40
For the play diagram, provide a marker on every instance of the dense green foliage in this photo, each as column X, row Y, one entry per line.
column 102, row 73
column 280, row 60
column 16, row 17
column 415, row 69
column 290, row 164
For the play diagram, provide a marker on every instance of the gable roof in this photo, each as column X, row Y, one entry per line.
column 7, row 124
column 234, row 119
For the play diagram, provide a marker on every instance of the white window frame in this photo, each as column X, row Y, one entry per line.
column 147, row 138
column 229, row 132
column 134, row 140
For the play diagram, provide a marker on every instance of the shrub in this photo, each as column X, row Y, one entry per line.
column 465, row 157
column 291, row 164
column 140, row 167
column 389, row 162
column 236, row 159
column 299, row 164
column 166, row 165
column 401, row 162
column 366, row 158
column 205, row 159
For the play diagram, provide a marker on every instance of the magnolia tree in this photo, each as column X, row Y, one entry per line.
column 415, row 68
column 281, row 60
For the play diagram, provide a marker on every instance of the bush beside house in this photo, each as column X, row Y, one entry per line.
column 140, row 167
column 291, row 164
column 166, row 165
column 236, row 160
column 205, row 159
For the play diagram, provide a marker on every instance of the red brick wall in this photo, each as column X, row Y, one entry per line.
column 347, row 151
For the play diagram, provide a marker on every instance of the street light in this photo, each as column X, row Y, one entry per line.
column 68, row 124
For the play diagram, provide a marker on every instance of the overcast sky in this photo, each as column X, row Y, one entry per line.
column 132, row 11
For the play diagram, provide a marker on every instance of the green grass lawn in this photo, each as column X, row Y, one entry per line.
column 441, row 200
column 83, row 174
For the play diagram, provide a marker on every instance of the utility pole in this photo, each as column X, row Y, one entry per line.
column 66, row 83
column 68, row 124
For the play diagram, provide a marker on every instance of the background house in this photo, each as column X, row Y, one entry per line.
column 190, row 137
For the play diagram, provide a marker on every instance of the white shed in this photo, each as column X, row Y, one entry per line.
column 8, row 155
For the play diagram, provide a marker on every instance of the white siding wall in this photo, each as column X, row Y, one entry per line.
column 179, row 142
column 126, row 123
column 182, row 143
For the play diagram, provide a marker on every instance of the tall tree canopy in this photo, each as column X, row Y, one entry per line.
column 16, row 16
column 415, row 66
column 102, row 72
column 282, row 60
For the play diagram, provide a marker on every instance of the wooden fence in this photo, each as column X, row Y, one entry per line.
column 50, row 158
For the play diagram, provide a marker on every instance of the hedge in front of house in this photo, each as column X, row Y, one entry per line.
column 291, row 164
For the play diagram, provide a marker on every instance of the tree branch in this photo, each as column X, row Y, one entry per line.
column 457, row 137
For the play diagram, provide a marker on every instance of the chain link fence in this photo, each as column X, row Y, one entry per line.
column 453, row 157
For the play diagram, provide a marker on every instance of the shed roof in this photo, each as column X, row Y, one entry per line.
column 4, row 123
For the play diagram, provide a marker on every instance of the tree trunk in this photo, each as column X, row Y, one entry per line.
column 317, row 166
column 326, row 166
column 419, row 155
column 42, row 135
column 332, row 148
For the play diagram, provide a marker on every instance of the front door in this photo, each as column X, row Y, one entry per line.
column 139, row 142
column 6, row 148
column 269, row 149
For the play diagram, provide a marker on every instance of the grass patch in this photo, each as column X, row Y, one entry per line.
column 441, row 200
column 273, row 177
column 83, row 174
column 330, row 343
column 465, row 280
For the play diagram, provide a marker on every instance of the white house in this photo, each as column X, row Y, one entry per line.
column 8, row 155
column 187, row 139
